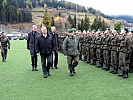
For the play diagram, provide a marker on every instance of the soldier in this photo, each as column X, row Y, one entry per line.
column 114, row 44
column 124, row 52
column 31, row 41
column 106, row 50
column 130, row 34
column 84, row 46
column 5, row 45
column 88, row 39
column 99, row 54
column 71, row 48
column 93, row 48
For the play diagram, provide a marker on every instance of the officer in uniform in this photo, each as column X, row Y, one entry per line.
column 5, row 45
column 124, row 53
column 71, row 48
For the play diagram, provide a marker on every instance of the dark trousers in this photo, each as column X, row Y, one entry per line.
column 34, row 61
column 54, row 59
column 46, row 68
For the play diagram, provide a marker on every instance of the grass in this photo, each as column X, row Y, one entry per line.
column 18, row 82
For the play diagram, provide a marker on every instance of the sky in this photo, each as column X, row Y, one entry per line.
column 109, row 7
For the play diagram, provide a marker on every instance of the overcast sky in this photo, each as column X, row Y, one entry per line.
column 109, row 7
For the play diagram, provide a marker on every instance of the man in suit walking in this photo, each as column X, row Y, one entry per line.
column 44, row 46
column 31, row 41
column 55, row 38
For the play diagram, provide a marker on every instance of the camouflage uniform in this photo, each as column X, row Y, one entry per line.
column 124, row 53
column 99, row 51
column 114, row 54
column 106, row 52
column 93, row 49
column 5, row 44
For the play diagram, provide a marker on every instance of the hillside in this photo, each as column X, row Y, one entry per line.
column 38, row 13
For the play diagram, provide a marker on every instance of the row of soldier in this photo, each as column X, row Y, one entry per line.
column 110, row 50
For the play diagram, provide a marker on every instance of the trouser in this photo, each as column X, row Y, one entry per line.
column 46, row 67
column 114, row 59
column 72, row 61
column 54, row 58
column 34, row 61
column 4, row 53
column 124, row 61
column 106, row 57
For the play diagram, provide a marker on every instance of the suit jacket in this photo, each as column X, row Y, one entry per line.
column 31, row 42
column 55, row 38
column 44, row 45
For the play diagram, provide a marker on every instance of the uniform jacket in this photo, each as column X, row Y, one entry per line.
column 71, row 46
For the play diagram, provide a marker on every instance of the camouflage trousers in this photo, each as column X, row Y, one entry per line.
column 72, row 61
column 124, row 61
column 106, row 58
column 114, row 59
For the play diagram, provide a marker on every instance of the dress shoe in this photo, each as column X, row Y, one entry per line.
column 45, row 76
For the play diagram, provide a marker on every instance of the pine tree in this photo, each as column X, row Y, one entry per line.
column 46, row 20
column 86, row 24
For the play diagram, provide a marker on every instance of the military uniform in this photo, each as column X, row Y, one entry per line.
column 106, row 52
column 114, row 54
column 5, row 45
column 99, row 51
column 93, row 49
column 71, row 48
column 125, row 46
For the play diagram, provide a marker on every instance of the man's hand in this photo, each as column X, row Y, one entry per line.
column 37, row 54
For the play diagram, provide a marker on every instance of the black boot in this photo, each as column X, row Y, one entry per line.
column 107, row 68
column 121, row 75
column 125, row 74
column 115, row 71
column 112, row 71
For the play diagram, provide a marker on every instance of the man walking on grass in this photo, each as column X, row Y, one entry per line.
column 71, row 48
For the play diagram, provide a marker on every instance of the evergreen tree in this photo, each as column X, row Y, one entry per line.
column 118, row 25
column 46, row 20
column 86, row 23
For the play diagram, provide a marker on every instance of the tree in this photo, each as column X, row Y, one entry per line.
column 86, row 24
column 118, row 25
column 52, row 22
column 82, row 24
column 46, row 20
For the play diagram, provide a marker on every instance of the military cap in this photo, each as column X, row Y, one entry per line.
column 70, row 30
column 74, row 29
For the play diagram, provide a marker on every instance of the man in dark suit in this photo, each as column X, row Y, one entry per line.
column 44, row 46
column 31, row 41
column 55, row 38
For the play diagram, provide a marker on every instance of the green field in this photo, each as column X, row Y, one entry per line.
column 18, row 82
